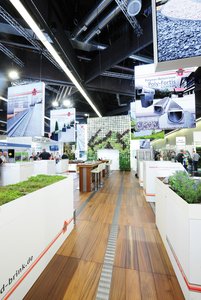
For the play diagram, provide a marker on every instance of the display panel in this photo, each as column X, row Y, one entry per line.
column 176, row 29
column 137, row 134
column 54, row 148
column 164, row 100
column 25, row 110
column 62, row 125
column 82, row 137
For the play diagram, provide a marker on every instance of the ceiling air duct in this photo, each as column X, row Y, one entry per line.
column 134, row 7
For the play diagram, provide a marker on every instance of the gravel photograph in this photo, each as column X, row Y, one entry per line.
column 178, row 29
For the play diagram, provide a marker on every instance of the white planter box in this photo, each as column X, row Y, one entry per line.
column 12, row 173
column 153, row 169
column 179, row 224
column 31, row 233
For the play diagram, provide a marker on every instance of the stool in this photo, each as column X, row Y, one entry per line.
column 97, row 172
column 108, row 164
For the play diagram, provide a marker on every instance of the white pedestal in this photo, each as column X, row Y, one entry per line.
column 15, row 172
column 45, row 167
column 140, row 171
column 62, row 166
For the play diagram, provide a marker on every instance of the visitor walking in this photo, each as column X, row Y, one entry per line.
column 195, row 158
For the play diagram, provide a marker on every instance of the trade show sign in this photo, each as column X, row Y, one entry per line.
column 82, row 137
column 176, row 29
column 164, row 100
column 25, row 110
column 62, row 125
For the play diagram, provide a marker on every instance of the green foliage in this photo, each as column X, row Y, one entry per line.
column 153, row 136
column 112, row 140
column 124, row 161
column 14, row 191
column 187, row 188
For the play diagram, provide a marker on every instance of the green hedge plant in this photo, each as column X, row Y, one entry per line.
column 186, row 187
column 11, row 192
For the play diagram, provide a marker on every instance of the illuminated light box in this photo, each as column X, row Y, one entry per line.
column 177, row 33
column 173, row 99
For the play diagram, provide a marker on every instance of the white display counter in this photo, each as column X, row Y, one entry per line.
column 15, row 172
column 72, row 167
column 32, row 228
column 62, row 166
column 47, row 167
column 153, row 169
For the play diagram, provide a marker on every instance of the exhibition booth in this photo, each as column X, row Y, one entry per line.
column 36, row 224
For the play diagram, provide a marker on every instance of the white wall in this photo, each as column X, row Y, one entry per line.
column 111, row 154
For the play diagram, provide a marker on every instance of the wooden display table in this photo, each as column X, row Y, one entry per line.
column 85, row 178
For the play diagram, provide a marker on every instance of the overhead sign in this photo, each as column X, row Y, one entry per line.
column 176, row 28
column 164, row 100
column 25, row 110
column 62, row 125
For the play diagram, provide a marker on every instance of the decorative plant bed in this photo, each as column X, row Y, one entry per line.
column 32, row 228
column 179, row 224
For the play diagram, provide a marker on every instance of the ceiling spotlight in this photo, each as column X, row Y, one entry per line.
column 86, row 115
column 66, row 102
column 55, row 103
column 13, row 74
column 134, row 7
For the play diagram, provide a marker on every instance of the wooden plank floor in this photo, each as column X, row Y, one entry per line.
column 142, row 270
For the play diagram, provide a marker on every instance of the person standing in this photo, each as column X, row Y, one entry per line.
column 195, row 158
column 45, row 155
column 180, row 156
column 3, row 157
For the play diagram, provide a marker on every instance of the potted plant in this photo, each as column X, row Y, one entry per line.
column 35, row 219
column 178, row 218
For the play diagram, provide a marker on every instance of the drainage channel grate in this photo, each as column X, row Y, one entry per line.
column 104, row 285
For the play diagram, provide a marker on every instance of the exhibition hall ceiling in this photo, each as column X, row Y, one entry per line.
column 98, row 40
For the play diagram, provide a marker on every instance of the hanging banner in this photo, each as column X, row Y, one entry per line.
column 82, row 137
column 62, row 125
column 164, row 100
column 25, row 110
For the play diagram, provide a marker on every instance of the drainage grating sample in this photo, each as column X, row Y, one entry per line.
column 104, row 285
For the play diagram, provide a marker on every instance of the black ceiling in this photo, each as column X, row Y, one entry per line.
column 101, row 53
column 98, row 54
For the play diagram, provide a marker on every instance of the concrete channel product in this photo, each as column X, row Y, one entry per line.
column 175, row 112
column 160, row 106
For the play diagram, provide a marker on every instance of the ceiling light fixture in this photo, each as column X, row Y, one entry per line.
column 32, row 24
column 4, row 99
column 134, row 7
column 13, row 75
column 66, row 102
column 55, row 103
